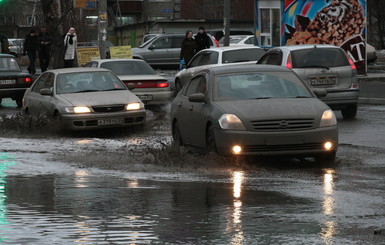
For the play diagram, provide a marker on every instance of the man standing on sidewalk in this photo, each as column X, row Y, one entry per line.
column 203, row 41
column 30, row 48
column 44, row 48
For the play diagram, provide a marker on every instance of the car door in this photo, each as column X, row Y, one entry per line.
column 37, row 103
column 192, row 115
column 159, row 51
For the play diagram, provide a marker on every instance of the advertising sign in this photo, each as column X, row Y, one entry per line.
column 337, row 22
column 86, row 55
column 89, row 4
column 120, row 52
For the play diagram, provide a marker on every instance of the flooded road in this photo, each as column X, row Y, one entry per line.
column 133, row 188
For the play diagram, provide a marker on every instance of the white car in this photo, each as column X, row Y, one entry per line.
column 239, row 40
column 150, row 87
column 217, row 56
column 84, row 98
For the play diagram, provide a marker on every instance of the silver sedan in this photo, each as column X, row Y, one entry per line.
column 84, row 98
column 253, row 110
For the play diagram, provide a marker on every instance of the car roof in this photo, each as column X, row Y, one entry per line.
column 306, row 46
column 245, row 67
column 233, row 47
column 77, row 69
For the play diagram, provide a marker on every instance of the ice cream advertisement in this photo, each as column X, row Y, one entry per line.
column 336, row 22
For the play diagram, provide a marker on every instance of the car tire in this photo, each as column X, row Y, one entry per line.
column 210, row 140
column 326, row 158
column 349, row 112
column 19, row 102
column 176, row 135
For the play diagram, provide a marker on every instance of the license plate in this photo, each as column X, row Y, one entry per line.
column 110, row 121
column 7, row 82
column 319, row 81
column 145, row 97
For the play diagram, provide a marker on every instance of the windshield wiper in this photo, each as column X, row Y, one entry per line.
column 88, row 90
column 262, row 98
column 114, row 89
column 302, row 96
column 315, row 66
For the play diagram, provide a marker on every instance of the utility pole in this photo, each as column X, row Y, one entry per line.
column 102, row 27
column 226, row 22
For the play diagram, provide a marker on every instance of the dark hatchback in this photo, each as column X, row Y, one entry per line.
column 13, row 82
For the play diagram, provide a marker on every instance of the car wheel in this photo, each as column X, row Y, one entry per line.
column 176, row 135
column 349, row 112
column 328, row 158
column 19, row 102
column 210, row 140
column 178, row 87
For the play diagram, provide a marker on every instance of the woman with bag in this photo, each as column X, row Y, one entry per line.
column 70, row 43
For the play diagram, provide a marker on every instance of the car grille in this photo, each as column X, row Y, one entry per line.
column 275, row 148
column 108, row 108
column 282, row 124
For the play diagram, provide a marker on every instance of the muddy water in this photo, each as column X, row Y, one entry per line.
column 287, row 206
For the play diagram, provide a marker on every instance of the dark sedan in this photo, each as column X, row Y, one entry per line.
column 13, row 82
column 254, row 110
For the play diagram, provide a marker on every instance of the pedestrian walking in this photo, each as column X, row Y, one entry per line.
column 44, row 48
column 30, row 47
column 188, row 49
column 202, row 39
column 70, row 43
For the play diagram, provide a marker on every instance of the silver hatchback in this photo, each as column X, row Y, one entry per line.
column 321, row 66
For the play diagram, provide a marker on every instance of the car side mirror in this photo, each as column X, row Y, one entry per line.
column 130, row 86
column 46, row 91
column 319, row 92
column 184, row 66
column 152, row 47
column 198, row 97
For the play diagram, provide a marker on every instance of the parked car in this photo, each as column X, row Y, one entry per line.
column 13, row 82
column 239, row 40
column 16, row 46
column 253, row 110
column 219, row 33
column 217, row 56
column 84, row 98
column 150, row 87
column 321, row 66
column 163, row 49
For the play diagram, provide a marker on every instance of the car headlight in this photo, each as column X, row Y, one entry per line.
column 230, row 121
column 133, row 106
column 328, row 119
column 78, row 109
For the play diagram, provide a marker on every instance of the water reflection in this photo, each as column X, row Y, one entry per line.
column 236, row 225
column 329, row 229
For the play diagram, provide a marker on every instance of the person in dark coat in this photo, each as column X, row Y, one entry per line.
column 188, row 49
column 44, row 48
column 202, row 39
column 30, row 47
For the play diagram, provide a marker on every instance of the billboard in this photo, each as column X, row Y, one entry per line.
column 337, row 22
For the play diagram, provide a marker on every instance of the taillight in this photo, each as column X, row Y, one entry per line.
column 161, row 84
column 24, row 79
column 149, row 84
column 352, row 65
column 289, row 64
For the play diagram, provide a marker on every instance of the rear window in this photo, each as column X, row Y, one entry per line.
column 319, row 57
column 242, row 55
column 128, row 68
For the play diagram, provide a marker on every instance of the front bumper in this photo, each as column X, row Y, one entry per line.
column 92, row 120
column 306, row 142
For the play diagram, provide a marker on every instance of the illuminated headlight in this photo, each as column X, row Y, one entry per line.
column 230, row 121
column 133, row 106
column 328, row 146
column 78, row 109
column 236, row 149
column 328, row 119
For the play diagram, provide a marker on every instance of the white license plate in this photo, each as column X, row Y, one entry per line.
column 323, row 81
column 110, row 121
column 7, row 81
column 145, row 97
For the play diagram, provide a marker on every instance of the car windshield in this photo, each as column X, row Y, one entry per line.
column 82, row 82
column 251, row 86
column 9, row 64
column 128, row 68
column 242, row 55
column 319, row 58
